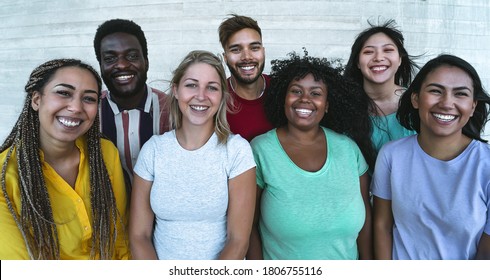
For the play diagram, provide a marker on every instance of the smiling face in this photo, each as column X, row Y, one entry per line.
column 199, row 95
column 379, row 59
column 245, row 56
column 123, row 66
column 67, row 106
column 306, row 102
column 445, row 102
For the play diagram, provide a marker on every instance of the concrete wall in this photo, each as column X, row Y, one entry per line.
column 34, row 31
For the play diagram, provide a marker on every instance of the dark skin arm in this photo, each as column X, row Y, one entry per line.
column 383, row 229
column 483, row 252
column 255, row 247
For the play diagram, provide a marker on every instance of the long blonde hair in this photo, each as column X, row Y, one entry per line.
column 221, row 126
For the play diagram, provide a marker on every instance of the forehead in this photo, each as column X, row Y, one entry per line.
column 202, row 72
column 449, row 76
column 75, row 76
column 308, row 81
column 119, row 41
column 244, row 37
column 379, row 39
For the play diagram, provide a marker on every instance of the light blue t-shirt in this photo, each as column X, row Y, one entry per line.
column 440, row 208
column 189, row 195
column 310, row 215
column 387, row 128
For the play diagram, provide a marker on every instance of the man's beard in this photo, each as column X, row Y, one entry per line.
column 241, row 80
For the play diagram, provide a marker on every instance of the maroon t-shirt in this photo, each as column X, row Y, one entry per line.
column 249, row 120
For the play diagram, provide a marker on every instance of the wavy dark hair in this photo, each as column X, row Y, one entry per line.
column 407, row 68
column 409, row 116
column 347, row 112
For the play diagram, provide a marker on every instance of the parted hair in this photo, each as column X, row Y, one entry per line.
column 35, row 221
column 233, row 24
column 347, row 111
column 221, row 126
column 407, row 68
column 409, row 116
column 123, row 26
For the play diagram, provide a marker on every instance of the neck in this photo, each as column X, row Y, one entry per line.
column 129, row 102
column 386, row 97
column 193, row 137
column 443, row 148
column 248, row 91
column 56, row 153
column 303, row 137
column 381, row 92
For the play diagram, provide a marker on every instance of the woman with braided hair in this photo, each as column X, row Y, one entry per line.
column 62, row 192
column 312, row 177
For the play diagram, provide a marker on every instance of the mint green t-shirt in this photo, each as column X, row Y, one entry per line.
column 310, row 215
column 387, row 128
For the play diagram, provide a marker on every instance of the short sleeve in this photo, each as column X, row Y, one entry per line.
column 145, row 165
column 381, row 183
column 241, row 158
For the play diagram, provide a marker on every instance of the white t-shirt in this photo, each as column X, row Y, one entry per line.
column 189, row 195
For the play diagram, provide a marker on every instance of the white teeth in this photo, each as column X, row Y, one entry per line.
column 199, row 108
column 445, row 118
column 123, row 78
column 66, row 122
column 379, row 68
column 247, row 67
column 304, row 111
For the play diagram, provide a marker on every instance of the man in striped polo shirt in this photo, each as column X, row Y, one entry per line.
column 130, row 110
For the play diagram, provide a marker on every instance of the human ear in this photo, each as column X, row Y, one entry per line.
column 174, row 91
column 35, row 100
column 415, row 100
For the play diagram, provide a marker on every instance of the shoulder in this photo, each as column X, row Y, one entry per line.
column 337, row 138
column 109, row 150
column 236, row 140
column 263, row 138
column 400, row 146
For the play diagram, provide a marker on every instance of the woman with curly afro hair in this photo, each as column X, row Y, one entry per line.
column 312, row 177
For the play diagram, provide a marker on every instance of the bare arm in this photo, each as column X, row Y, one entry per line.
column 365, row 239
column 255, row 247
column 483, row 252
column 141, row 221
column 383, row 229
column 240, row 215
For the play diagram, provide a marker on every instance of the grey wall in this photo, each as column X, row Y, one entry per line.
column 33, row 31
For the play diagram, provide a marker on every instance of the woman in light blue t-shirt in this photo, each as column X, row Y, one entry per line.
column 432, row 190
column 312, row 177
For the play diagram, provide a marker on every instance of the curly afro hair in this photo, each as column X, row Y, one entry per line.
column 348, row 106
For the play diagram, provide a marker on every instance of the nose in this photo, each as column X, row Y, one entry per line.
column 446, row 101
column 378, row 56
column 305, row 97
column 246, row 54
column 74, row 105
column 122, row 62
column 201, row 94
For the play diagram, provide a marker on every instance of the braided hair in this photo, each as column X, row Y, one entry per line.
column 347, row 111
column 36, row 222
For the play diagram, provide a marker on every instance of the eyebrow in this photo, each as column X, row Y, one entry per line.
column 73, row 88
column 197, row 81
column 253, row 43
column 441, row 86
column 385, row 45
